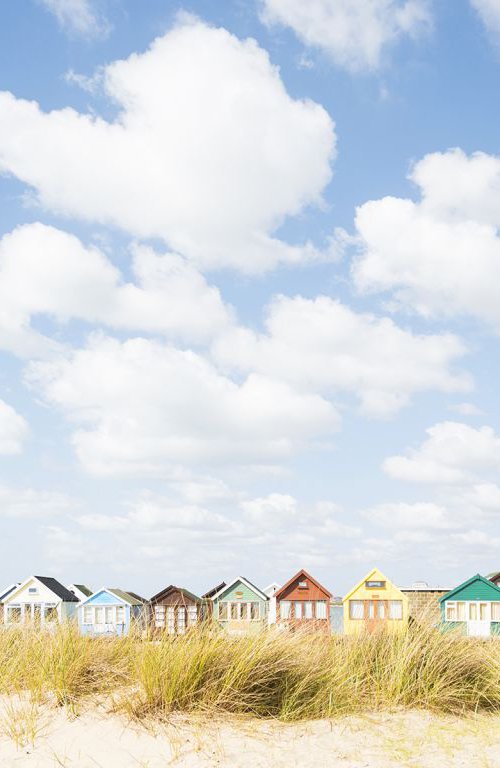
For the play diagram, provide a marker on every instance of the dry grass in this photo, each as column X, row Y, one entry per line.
column 286, row 676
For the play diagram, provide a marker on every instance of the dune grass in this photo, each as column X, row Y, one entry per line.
column 275, row 674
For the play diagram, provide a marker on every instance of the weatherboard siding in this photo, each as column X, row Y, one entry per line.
column 241, row 593
column 476, row 590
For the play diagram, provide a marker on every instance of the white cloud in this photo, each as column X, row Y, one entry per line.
column 142, row 406
column 466, row 409
column 489, row 13
column 440, row 255
column 46, row 271
column 452, row 454
column 208, row 151
column 79, row 17
column 410, row 517
column 13, row 430
column 355, row 34
column 23, row 503
column 323, row 346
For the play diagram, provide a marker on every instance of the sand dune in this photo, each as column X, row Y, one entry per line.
column 97, row 739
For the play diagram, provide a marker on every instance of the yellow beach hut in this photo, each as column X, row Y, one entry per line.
column 375, row 603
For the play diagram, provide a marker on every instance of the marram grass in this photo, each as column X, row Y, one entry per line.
column 275, row 674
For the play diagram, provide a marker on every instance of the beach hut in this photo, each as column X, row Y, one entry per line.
column 40, row 600
column 110, row 611
column 3, row 594
column 240, row 607
column 303, row 602
column 472, row 608
column 423, row 602
column 375, row 603
column 175, row 610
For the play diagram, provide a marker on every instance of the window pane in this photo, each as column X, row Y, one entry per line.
column 99, row 615
column 298, row 610
column 181, row 620
column 371, row 609
column 223, row 611
column 472, row 612
column 234, row 611
column 395, row 609
column 254, row 611
column 109, row 614
column 171, row 620
column 159, row 615
column 321, row 609
column 451, row 612
column 14, row 613
column 356, row 609
column 120, row 614
column 483, row 611
column 308, row 610
column 495, row 611
column 460, row 611
column 192, row 615
column 50, row 613
column 375, row 584
column 285, row 606
column 381, row 610
column 87, row 614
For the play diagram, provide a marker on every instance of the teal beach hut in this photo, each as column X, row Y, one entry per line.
column 241, row 607
column 473, row 608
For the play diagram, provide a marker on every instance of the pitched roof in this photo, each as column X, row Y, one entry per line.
column 58, row 589
column 137, row 597
column 367, row 578
column 247, row 583
column 171, row 588
column 124, row 597
column 302, row 572
column 464, row 584
column 495, row 576
column 7, row 590
column 214, row 590
column 83, row 589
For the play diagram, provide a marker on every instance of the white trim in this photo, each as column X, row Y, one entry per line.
column 249, row 586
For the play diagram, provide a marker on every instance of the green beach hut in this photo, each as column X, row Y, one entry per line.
column 241, row 607
column 473, row 607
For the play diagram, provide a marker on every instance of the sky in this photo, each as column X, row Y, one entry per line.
column 249, row 292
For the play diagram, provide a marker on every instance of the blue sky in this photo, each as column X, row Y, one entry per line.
column 249, row 304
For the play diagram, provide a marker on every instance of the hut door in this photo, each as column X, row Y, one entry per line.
column 375, row 614
column 479, row 619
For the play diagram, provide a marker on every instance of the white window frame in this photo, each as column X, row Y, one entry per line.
column 323, row 613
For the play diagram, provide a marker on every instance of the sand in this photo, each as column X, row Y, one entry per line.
column 40, row 738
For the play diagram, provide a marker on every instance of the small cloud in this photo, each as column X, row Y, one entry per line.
column 79, row 17
column 305, row 62
column 84, row 82
column 466, row 409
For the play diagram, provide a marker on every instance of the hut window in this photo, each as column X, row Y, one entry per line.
column 50, row 613
column 159, row 615
column 234, row 611
column 14, row 613
column 32, row 590
column 171, row 620
column 381, row 610
column 302, row 584
column 298, row 609
column 223, row 611
column 192, row 615
column 120, row 614
column 461, row 611
column 87, row 614
column 375, row 584
column 99, row 615
column 451, row 611
column 285, row 606
column 356, row 609
column 371, row 609
column 472, row 612
column 109, row 614
column 483, row 611
column 321, row 609
column 308, row 610
column 254, row 611
column 395, row 609
column 495, row 611
column 181, row 620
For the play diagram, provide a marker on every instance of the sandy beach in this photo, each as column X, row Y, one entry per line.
column 43, row 738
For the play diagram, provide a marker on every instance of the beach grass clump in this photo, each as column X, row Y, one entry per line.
column 286, row 675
